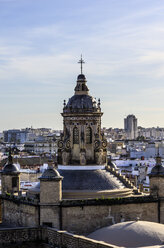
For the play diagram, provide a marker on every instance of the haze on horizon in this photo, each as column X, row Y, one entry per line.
column 122, row 43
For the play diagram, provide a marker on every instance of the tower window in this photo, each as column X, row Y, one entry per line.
column 75, row 135
column 88, row 135
column 14, row 182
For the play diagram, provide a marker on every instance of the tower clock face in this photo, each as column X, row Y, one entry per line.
column 60, row 144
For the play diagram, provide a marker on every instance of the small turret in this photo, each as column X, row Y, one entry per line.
column 51, row 181
column 50, row 197
column 157, row 178
column 10, row 177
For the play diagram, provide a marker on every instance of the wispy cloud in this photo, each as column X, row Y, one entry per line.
column 122, row 43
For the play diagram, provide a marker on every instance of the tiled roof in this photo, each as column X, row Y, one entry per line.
column 89, row 180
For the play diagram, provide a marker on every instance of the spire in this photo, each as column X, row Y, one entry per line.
column 158, row 169
column 81, row 61
column 81, row 87
column 10, row 158
column 158, row 158
column 158, row 151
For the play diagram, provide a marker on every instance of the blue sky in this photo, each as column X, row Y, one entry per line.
column 122, row 42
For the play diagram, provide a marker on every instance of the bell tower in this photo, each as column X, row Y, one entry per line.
column 157, row 178
column 82, row 142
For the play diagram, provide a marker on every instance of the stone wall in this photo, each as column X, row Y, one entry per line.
column 68, row 240
column 50, row 191
column 50, row 215
column 7, row 182
column 88, row 216
column 19, row 236
column 156, row 186
column 81, row 216
column 18, row 213
column 49, row 236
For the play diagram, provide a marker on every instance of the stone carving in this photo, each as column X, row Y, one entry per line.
column 65, row 158
column 82, row 158
column 81, row 112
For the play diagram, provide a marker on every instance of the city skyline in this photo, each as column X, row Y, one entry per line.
column 41, row 43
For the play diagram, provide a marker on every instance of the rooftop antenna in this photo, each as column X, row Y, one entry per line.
column 81, row 61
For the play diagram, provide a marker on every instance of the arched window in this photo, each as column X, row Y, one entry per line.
column 88, row 135
column 75, row 135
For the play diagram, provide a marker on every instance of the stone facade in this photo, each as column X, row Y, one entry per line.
column 82, row 141
column 85, row 219
column 10, row 182
column 156, row 184
column 18, row 213
column 54, row 194
column 50, row 216
column 82, row 216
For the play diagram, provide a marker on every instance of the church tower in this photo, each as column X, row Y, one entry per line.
column 82, row 142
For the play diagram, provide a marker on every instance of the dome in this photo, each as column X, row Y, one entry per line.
column 82, row 184
column 131, row 234
column 50, row 173
column 85, row 103
column 81, row 77
column 82, row 101
column 95, row 180
column 10, row 168
column 157, row 170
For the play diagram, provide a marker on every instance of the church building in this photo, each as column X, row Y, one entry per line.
column 83, row 193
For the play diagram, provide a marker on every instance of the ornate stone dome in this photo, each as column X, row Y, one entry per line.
column 131, row 234
column 84, row 103
column 81, row 101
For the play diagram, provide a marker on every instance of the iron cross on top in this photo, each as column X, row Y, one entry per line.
column 81, row 61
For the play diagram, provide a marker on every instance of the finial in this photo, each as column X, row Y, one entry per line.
column 64, row 103
column 10, row 158
column 158, row 158
column 81, row 61
column 99, row 102
column 158, row 150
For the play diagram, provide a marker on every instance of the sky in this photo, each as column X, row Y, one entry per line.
column 122, row 43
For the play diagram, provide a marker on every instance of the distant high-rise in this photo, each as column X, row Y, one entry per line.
column 130, row 126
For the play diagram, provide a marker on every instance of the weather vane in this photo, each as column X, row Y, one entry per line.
column 81, row 61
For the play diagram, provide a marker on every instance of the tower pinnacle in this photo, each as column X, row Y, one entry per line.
column 81, row 61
